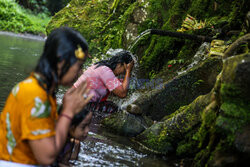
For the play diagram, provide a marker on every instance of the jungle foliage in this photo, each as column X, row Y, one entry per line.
column 17, row 19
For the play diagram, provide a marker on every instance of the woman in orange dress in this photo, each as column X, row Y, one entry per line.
column 31, row 133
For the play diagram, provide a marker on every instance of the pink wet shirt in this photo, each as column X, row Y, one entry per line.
column 99, row 80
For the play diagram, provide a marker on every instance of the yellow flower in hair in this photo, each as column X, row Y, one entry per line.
column 79, row 53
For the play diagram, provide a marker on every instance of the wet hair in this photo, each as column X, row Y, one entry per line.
column 120, row 57
column 59, row 46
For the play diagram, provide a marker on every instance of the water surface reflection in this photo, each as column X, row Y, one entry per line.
column 18, row 58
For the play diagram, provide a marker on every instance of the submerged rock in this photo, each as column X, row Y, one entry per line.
column 127, row 124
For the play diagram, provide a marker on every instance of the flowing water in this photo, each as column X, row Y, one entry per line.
column 200, row 55
column 144, row 33
column 18, row 58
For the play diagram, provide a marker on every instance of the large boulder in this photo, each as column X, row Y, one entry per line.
column 127, row 124
column 214, row 128
column 180, row 91
column 105, row 24
column 163, row 136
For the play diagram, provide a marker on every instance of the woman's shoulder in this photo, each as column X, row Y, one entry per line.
column 104, row 69
column 28, row 88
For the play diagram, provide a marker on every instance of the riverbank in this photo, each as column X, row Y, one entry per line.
column 24, row 35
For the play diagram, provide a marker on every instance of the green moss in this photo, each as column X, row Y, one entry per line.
column 207, row 127
column 224, row 120
column 184, row 148
column 231, row 92
column 220, row 17
column 116, row 40
column 96, row 21
column 197, row 83
column 159, row 142
column 178, row 127
column 201, row 158
column 114, row 125
column 162, row 49
column 235, row 111
column 181, row 109
column 188, row 146
column 105, row 29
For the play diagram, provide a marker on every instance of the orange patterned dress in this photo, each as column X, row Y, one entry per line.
column 29, row 114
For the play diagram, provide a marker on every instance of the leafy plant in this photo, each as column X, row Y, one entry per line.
column 17, row 19
column 180, row 61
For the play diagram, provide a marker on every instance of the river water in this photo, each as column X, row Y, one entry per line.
column 18, row 58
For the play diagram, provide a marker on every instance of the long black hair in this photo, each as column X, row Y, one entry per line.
column 59, row 46
column 120, row 57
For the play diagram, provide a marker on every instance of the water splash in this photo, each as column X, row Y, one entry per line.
column 144, row 33
column 131, row 96
column 200, row 55
column 113, row 52
column 103, row 154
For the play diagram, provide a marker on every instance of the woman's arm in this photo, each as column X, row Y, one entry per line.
column 47, row 149
column 121, row 91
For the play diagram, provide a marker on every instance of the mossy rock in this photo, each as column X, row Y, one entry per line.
column 105, row 29
column 214, row 126
column 164, row 136
column 222, row 136
column 180, row 91
column 99, row 23
column 127, row 124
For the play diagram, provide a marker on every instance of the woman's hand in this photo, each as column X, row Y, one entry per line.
column 129, row 67
column 75, row 99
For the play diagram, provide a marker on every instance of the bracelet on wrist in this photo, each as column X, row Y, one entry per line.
column 66, row 116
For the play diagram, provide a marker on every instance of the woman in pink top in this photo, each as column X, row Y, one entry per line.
column 102, row 78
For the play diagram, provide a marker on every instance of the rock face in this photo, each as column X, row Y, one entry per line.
column 180, row 91
column 165, row 135
column 115, row 24
column 214, row 128
column 163, row 102
column 103, row 25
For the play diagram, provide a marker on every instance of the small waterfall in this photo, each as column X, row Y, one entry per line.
column 144, row 33
column 200, row 55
